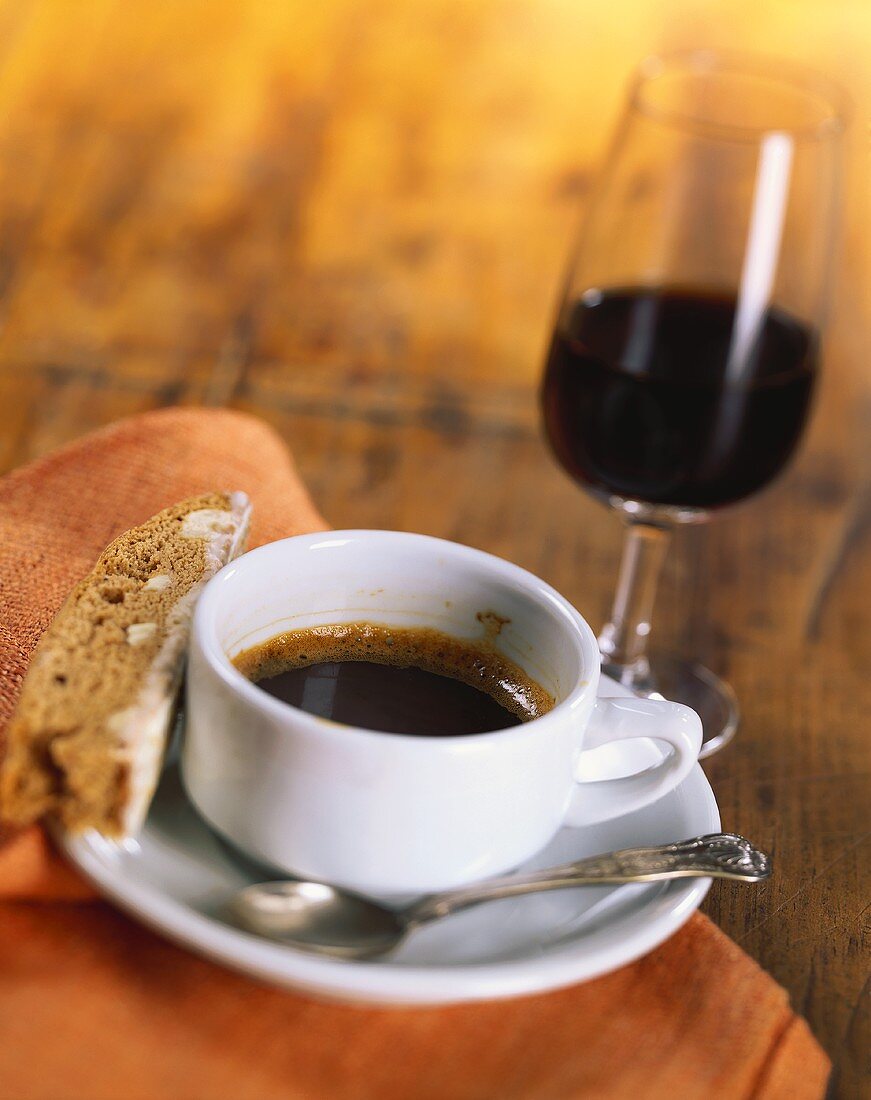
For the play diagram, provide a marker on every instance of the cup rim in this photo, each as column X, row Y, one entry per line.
column 204, row 634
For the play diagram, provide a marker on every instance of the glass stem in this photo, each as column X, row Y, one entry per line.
column 623, row 641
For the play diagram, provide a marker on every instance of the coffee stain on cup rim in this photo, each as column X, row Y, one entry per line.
column 492, row 623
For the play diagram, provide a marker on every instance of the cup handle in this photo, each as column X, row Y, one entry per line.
column 621, row 720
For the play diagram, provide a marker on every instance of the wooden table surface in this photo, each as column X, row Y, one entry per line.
column 350, row 218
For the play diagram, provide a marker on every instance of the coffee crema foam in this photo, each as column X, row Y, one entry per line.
column 476, row 663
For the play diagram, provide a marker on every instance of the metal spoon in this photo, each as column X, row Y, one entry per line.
column 330, row 921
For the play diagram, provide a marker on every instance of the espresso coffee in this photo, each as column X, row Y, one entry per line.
column 415, row 681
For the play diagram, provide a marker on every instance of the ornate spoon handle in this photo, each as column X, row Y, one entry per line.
column 718, row 855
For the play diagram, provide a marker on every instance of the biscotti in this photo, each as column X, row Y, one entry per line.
column 87, row 739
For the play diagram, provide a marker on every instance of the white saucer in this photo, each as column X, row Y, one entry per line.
column 177, row 877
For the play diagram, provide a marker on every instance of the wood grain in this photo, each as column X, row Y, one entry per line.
column 350, row 218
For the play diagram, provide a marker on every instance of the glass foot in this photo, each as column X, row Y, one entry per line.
column 685, row 682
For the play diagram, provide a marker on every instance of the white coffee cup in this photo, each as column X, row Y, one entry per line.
column 384, row 813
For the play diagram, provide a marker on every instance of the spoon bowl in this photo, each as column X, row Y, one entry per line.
column 319, row 918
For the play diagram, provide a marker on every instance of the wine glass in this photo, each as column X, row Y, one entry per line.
column 686, row 346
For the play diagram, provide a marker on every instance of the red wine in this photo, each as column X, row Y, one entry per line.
column 637, row 402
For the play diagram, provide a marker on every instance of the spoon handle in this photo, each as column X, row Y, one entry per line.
column 718, row 855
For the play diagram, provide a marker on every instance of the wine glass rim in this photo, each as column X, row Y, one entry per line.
column 804, row 80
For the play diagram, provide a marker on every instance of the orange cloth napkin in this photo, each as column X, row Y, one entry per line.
column 93, row 1006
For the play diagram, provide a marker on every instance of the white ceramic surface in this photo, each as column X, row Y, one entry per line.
column 178, row 877
column 392, row 814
